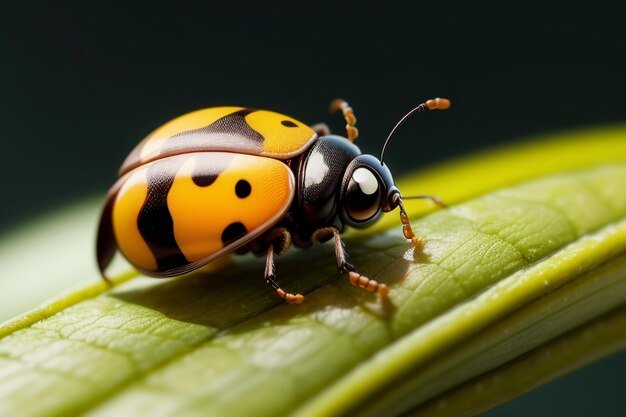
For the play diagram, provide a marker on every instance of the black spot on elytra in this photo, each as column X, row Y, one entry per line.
column 155, row 221
column 243, row 189
column 204, row 175
column 288, row 123
column 205, row 179
column 233, row 232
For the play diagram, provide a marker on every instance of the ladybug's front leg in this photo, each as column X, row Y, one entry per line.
column 407, row 230
column 321, row 235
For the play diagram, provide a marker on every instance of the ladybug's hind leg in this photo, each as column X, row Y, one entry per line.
column 321, row 129
column 322, row 235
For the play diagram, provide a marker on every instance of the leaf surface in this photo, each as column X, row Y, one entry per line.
column 501, row 275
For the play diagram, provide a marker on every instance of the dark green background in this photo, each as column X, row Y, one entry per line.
column 81, row 84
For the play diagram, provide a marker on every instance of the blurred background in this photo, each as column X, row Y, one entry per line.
column 83, row 83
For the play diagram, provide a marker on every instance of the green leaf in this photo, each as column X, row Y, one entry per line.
column 501, row 275
column 583, row 345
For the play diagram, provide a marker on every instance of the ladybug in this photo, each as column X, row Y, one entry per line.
column 233, row 179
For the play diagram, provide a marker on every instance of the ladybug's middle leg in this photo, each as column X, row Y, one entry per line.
column 322, row 235
column 270, row 276
column 279, row 240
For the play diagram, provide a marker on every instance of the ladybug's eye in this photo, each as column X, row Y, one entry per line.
column 362, row 199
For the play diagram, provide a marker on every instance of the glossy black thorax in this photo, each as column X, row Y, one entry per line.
column 319, row 174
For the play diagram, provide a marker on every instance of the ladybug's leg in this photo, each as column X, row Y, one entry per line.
column 277, row 240
column 322, row 235
column 435, row 199
column 321, row 129
column 407, row 230
column 348, row 114
column 270, row 276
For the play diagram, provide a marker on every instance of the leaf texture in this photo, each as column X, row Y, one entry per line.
column 501, row 275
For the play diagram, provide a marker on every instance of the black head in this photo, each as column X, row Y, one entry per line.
column 367, row 190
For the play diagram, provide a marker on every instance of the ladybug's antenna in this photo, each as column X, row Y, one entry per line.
column 434, row 104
